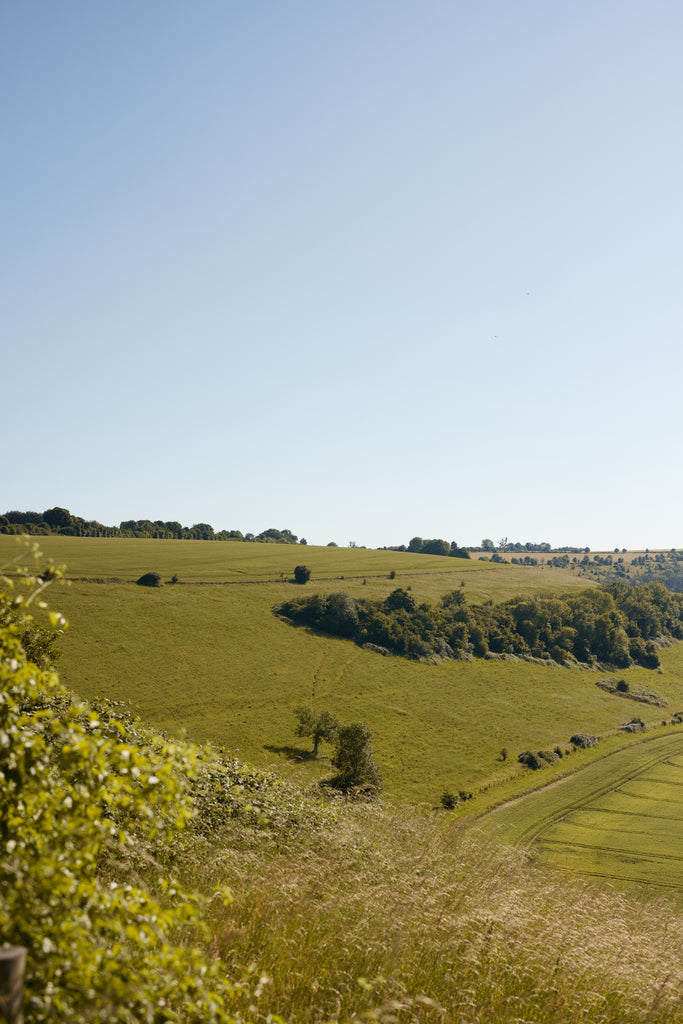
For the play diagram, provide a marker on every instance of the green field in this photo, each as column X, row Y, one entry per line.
column 210, row 660
column 195, row 561
column 619, row 818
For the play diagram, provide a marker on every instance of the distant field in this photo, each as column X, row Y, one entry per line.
column 619, row 818
column 236, row 562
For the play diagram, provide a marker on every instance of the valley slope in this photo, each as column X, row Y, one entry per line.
column 207, row 658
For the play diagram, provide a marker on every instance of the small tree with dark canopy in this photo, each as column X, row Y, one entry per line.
column 150, row 579
column 302, row 574
column 321, row 726
column 399, row 598
column 354, row 760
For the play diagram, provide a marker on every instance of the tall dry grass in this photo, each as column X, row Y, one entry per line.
column 391, row 917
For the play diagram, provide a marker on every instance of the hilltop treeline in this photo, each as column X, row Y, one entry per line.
column 61, row 521
column 436, row 546
column 617, row 625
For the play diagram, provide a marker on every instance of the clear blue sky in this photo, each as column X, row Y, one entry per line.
column 364, row 270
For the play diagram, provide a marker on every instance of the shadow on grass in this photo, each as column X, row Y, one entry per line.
column 291, row 753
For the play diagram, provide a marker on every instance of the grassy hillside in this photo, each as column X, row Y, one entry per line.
column 391, row 918
column 236, row 562
column 213, row 662
column 271, row 904
column 308, row 907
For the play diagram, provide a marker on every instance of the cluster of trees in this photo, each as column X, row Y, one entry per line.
column 530, row 545
column 672, row 579
column 660, row 558
column 436, row 546
column 557, row 561
column 352, row 758
column 617, row 625
column 663, row 567
column 61, row 521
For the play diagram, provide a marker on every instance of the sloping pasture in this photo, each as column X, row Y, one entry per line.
column 210, row 660
column 215, row 663
column 619, row 818
column 196, row 561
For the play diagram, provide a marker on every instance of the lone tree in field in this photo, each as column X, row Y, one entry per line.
column 320, row 727
column 150, row 579
column 354, row 760
column 302, row 574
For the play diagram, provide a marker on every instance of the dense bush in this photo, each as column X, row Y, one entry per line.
column 354, row 760
column 150, row 579
column 536, row 759
column 582, row 739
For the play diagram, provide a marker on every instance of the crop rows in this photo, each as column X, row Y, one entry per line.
column 620, row 818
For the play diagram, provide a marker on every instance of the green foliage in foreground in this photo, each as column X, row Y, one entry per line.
column 614, row 626
column 93, row 809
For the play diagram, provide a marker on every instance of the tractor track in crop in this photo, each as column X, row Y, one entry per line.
column 530, row 834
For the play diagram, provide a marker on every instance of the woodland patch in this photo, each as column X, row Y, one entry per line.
column 617, row 626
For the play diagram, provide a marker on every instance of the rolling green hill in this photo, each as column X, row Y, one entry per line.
column 197, row 561
column 207, row 658
column 313, row 908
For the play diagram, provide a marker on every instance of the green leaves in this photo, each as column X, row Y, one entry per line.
column 84, row 796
